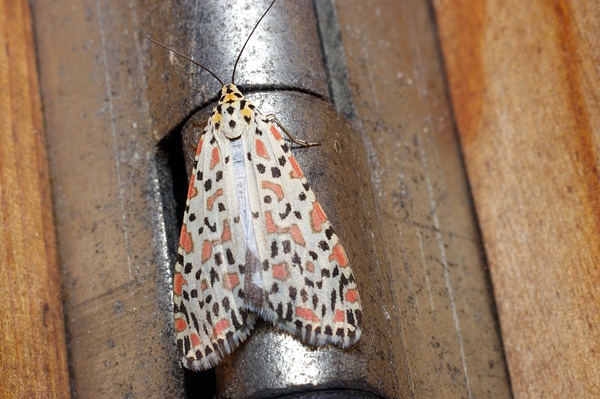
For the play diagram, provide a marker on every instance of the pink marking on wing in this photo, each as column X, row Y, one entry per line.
column 261, row 150
column 215, row 158
column 180, row 324
column 297, row 172
column 204, row 285
column 226, row 236
column 199, row 148
column 351, row 296
column 192, row 190
column 211, row 200
column 310, row 267
column 185, row 240
column 276, row 188
column 271, row 226
column 317, row 217
column 297, row 235
column 195, row 340
column 206, row 251
column 340, row 316
column 276, row 133
column 178, row 283
column 221, row 326
column 338, row 254
column 307, row 314
column 231, row 280
column 281, row 271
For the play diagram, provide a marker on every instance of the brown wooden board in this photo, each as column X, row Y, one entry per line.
column 524, row 81
column 33, row 357
column 443, row 309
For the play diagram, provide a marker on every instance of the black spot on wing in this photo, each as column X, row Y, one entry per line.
column 287, row 246
column 289, row 314
column 229, row 255
column 296, row 259
column 212, row 227
column 214, row 277
column 329, row 232
column 288, row 209
column 188, row 268
column 218, row 260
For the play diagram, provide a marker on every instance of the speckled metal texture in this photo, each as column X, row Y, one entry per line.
column 284, row 52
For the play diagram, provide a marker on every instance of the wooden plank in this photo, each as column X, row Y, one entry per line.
column 32, row 344
column 111, row 228
column 442, row 315
column 524, row 82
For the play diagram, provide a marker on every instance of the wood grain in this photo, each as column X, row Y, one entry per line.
column 524, row 81
column 442, row 313
column 32, row 345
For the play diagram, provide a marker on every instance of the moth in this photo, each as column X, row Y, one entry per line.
column 255, row 242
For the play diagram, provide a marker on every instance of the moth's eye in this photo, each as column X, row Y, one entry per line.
column 220, row 98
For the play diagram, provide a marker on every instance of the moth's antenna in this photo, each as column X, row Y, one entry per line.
column 188, row 58
column 246, row 42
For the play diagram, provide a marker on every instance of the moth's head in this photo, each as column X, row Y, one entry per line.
column 229, row 94
column 233, row 114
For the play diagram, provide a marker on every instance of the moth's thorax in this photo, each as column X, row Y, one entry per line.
column 233, row 114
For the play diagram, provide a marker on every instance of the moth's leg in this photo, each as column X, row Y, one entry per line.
column 272, row 118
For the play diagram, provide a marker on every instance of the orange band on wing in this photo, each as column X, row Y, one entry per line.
column 339, row 254
column 185, row 240
column 276, row 133
column 276, row 188
column 317, row 217
column 307, row 314
column 215, row 158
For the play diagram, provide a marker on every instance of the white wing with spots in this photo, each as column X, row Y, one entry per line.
column 302, row 281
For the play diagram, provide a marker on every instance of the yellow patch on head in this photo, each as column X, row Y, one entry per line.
column 230, row 97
